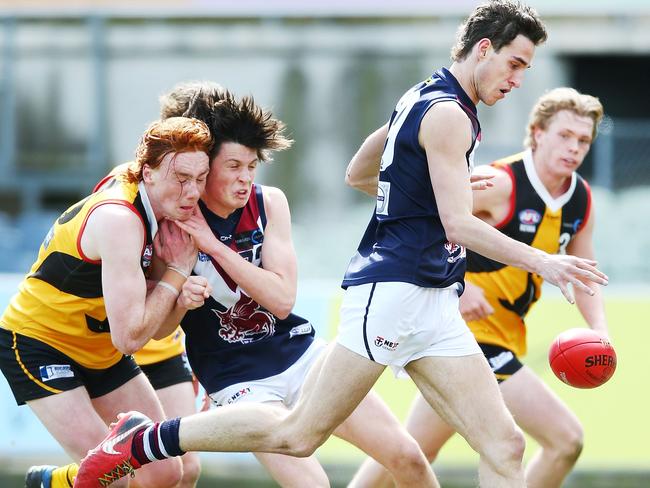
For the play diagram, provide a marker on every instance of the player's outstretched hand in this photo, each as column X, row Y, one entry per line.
column 561, row 269
column 194, row 292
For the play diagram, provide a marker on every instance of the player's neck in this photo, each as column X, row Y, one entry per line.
column 555, row 184
column 463, row 72
column 218, row 208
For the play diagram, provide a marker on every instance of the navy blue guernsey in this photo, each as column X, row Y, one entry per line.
column 405, row 240
column 232, row 338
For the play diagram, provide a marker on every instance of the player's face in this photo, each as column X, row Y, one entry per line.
column 499, row 72
column 562, row 147
column 175, row 186
column 231, row 177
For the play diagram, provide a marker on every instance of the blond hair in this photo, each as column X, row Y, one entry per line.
column 559, row 99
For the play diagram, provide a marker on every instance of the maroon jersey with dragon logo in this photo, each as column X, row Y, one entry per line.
column 232, row 338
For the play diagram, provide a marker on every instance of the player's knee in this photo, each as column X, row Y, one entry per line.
column 165, row 474
column 409, row 460
column 509, row 452
column 300, row 439
column 303, row 446
column 517, row 445
column 191, row 469
column 303, row 442
column 569, row 446
column 514, row 452
column 431, row 452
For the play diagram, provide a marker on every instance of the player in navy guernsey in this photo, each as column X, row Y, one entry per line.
column 405, row 240
column 536, row 198
column 233, row 339
column 400, row 323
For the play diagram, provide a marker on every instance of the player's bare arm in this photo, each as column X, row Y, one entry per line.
column 115, row 235
column 491, row 207
column 362, row 172
column 274, row 286
column 445, row 135
column 592, row 307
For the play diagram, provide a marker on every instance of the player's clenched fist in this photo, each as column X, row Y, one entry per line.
column 194, row 292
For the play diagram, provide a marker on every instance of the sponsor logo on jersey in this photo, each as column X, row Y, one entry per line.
column 456, row 252
column 245, row 322
column 55, row 371
column 225, row 238
column 383, row 195
column 528, row 220
column 48, row 237
column 385, row 343
column 576, row 225
column 239, row 394
column 246, row 240
column 147, row 254
column 499, row 361
column 301, row 329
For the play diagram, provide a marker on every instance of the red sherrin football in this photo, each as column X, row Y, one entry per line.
column 582, row 358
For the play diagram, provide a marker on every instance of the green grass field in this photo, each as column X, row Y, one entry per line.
column 614, row 415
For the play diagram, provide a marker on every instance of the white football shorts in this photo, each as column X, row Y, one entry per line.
column 284, row 387
column 394, row 323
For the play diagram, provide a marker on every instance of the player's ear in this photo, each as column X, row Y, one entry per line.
column 146, row 173
column 482, row 48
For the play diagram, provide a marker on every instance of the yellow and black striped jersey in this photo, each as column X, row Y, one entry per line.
column 153, row 351
column 539, row 220
column 60, row 302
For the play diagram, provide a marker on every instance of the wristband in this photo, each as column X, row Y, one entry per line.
column 179, row 271
column 169, row 287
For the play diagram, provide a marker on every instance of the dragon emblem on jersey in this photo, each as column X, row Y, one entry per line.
column 245, row 322
column 456, row 252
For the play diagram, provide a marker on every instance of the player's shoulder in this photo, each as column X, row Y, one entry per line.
column 444, row 122
column 447, row 108
column 110, row 215
column 505, row 162
column 274, row 200
column 272, row 193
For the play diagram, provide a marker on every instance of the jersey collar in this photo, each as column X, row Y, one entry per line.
column 553, row 204
column 148, row 209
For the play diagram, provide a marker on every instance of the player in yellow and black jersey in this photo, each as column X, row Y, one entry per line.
column 538, row 219
column 536, row 198
column 83, row 309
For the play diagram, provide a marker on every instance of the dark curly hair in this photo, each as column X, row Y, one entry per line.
column 500, row 21
column 230, row 119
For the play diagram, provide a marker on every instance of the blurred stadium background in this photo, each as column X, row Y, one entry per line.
column 79, row 82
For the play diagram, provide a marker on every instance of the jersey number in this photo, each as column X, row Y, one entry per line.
column 402, row 109
column 565, row 238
